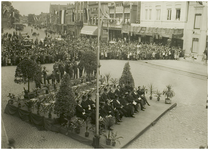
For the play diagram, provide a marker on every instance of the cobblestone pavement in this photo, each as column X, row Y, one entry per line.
column 183, row 127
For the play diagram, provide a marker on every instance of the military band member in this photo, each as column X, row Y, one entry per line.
column 104, row 96
column 90, row 102
column 85, row 105
column 111, row 94
column 119, row 107
column 118, row 91
column 80, row 112
column 129, row 105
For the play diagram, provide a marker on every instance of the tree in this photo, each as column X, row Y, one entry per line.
column 38, row 76
column 9, row 14
column 65, row 99
column 89, row 62
column 31, row 19
column 126, row 77
column 26, row 71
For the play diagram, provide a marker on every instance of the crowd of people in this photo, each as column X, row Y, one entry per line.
column 139, row 51
column 15, row 47
column 118, row 103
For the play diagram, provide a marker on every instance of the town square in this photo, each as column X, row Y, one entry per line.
column 96, row 74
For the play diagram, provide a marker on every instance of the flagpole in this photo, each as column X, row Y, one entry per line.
column 96, row 138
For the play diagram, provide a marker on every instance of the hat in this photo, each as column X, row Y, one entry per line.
column 83, row 97
column 126, row 93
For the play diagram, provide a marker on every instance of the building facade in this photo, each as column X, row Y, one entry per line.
column 55, row 17
column 196, row 30
column 43, row 19
column 91, row 25
column 163, row 22
column 123, row 14
column 174, row 23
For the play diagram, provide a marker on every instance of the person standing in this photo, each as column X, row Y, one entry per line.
column 44, row 72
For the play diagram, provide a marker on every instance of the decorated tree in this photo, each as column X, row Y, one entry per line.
column 26, row 71
column 126, row 78
column 65, row 100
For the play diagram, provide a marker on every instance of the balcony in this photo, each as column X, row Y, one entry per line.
column 111, row 5
column 119, row 9
column 79, row 23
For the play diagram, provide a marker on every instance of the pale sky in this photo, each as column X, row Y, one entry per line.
column 35, row 7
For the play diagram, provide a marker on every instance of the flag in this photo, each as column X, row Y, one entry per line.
column 62, row 17
column 5, row 8
column 73, row 14
column 50, row 18
column 12, row 14
column 85, row 14
column 55, row 12
column 88, row 13
column 200, row 2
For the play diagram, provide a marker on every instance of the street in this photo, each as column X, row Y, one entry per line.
column 183, row 127
column 27, row 29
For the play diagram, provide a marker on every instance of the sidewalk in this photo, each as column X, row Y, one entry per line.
column 4, row 138
column 132, row 128
column 182, row 65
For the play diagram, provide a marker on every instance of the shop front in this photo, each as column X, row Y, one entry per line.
column 115, row 34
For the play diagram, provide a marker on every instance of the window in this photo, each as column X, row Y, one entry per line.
column 111, row 15
column 158, row 13
column 126, row 17
column 146, row 14
column 197, row 21
column 119, row 18
column 178, row 13
column 81, row 16
column 150, row 14
column 195, row 44
column 169, row 14
column 118, row 4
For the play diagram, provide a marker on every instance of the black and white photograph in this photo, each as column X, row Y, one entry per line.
column 104, row 74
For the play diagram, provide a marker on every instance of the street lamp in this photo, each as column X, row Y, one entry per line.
column 97, row 137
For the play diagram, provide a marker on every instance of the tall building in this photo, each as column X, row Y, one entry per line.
column 163, row 22
column 70, row 20
column 123, row 14
column 196, row 30
column 91, row 25
column 43, row 19
column 56, row 12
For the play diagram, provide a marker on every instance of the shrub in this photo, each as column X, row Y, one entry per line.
column 65, row 99
column 126, row 77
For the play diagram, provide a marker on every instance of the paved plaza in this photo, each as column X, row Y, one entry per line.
column 185, row 126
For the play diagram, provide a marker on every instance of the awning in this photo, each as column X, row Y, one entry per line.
column 125, row 28
column 143, row 30
column 89, row 30
column 178, row 33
